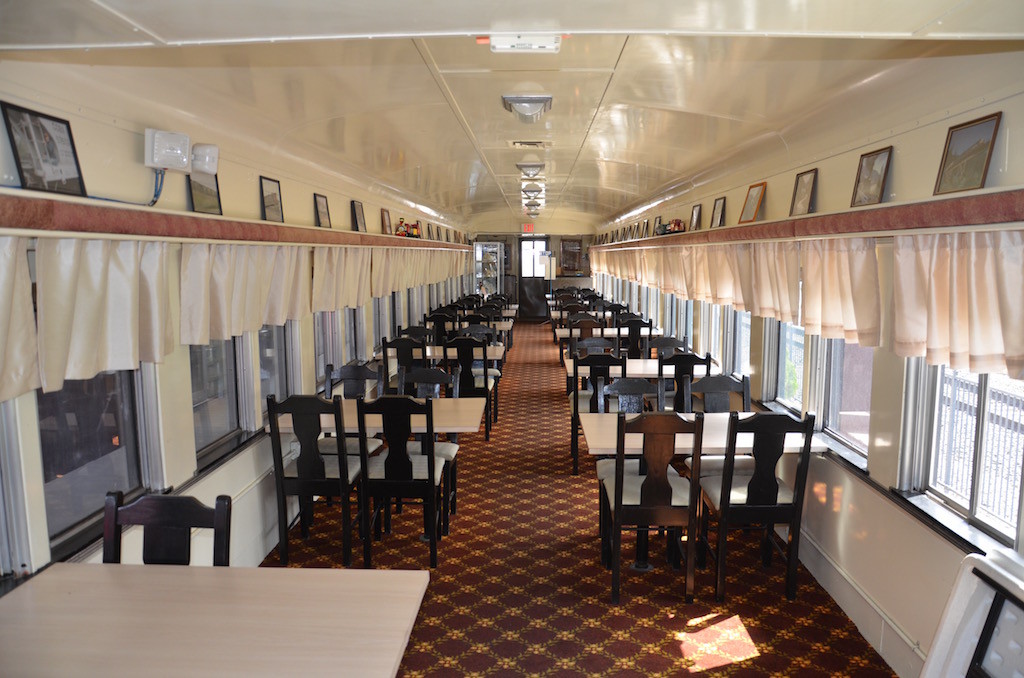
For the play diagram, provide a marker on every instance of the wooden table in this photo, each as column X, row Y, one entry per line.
column 103, row 620
column 494, row 352
column 451, row 415
column 641, row 368
column 621, row 332
column 600, row 430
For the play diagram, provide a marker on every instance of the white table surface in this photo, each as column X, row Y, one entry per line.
column 451, row 415
column 600, row 431
column 76, row 619
column 643, row 368
column 563, row 332
column 494, row 352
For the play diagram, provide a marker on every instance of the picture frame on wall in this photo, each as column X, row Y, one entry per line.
column 872, row 173
column 695, row 213
column 358, row 220
column 967, row 154
column 752, row 203
column 647, row 229
column 44, row 151
column 385, row 222
column 323, row 213
column 270, row 200
column 718, row 213
column 447, row 235
column 204, row 193
column 804, row 193
column 658, row 230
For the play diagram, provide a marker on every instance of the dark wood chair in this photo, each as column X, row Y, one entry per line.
column 600, row 366
column 167, row 522
column 417, row 332
column 442, row 324
column 665, row 346
column 399, row 473
column 401, row 352
column 683, row 365
column 716, row 392
column 432, row 382
column 474, row 382
column 759, row 499
column 313, row 474
column 353, row 380
column 635, row 340
column 615, row 310
column 656, row 498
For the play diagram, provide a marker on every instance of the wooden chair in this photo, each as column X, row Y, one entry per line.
column 634, row 339
column 428, row 383
column 665, row 346
column 167, row 522
column 442, row 325
column 353, row 380
column 615, row 310
column 398, row 473
column 313, row 473
column 417, row 332
column 402, row 351
column 759, row 499
column 658, row 497
column 473, row 382
column 682, row 365
column 717, row 389
column 600, row 366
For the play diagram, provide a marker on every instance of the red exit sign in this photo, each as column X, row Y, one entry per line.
column 527, row 228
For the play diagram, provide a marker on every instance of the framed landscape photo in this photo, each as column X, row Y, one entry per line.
column 967, row 153
column 647, row 228
column 658, row 230
column 385, row 222
column 752, row 205
column 358, row 220
column 695, row 218
column 803, row 193
column 323, row 214
column 871, row 175
column 718, row 213
column 44, row 151
column 430, row 231
column 270, row 200
column 204, row 193
column 447, row 235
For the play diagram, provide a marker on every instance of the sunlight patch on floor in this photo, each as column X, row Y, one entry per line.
column 715, row 641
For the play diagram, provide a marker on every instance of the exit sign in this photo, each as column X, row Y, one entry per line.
column 527, row 228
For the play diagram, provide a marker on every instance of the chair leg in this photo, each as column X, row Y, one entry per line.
column 574, row 445
column 445, row 497
column 691, row 555
column 720, row 562
column 282, row 529
column 702, row 538
column 766, row 545
column 792, row 559
column 616, row 546
column 346, row 533
column 454, row 487
column 496, row 381
column 364, row 525
column 487, row 419
column 430, row 524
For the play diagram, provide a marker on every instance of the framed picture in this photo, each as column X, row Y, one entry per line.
column 323, row 214
column 430, row 231
column 718, row 213
column 803, row 193
column 385, row 222
column 967, row 154
column 43, row 151
column 270, row 200
column 204, row 193
column 752, row 205
column 358, row 220
column 695, row 217
column 447, row 235
column 871, row 175
column 647, row 228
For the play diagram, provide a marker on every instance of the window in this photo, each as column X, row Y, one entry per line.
column 713, row 328
column 978, row 446
column 532, row 266
column 214, row 393
column 273, row 363
column 790, row 386
column 89, row 438
column 741, row 343
column 848, row 392
column 398, row 318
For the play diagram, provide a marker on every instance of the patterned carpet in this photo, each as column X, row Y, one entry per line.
column 520, row 590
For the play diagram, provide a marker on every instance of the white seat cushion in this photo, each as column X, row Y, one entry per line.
column 330, row 467
column 606, row 468
column 446, row 451
column 712, row 487
column 375, row 469
column 631, row 490
column 714, row 465
column 611, row 403
column 491, row 372
column 330, row 445
column 479, row 382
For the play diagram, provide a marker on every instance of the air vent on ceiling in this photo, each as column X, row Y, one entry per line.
column 529, row 144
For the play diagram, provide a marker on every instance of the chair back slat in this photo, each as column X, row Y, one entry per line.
column 683, row 365
column 659, row 430
column 717, row 390
column 396, row 414
column 465, row 350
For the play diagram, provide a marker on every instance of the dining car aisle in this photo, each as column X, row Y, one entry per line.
column 520, row 589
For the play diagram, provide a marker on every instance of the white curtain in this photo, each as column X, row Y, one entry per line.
column 840, row 290
column 19, row 368
column 290, row 286
column 776, row 280
column 958, row 300
column 97, row 309
column 341, row 278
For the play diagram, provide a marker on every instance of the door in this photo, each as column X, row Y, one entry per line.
column 532, row 283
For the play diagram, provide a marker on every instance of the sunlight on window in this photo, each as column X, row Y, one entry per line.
column 713, row 644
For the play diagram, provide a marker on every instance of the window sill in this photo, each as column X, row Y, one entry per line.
column 947, row 523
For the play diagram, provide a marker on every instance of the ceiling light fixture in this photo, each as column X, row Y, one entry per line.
column 527, row 107
column 532, row 190
column 532, row 204
column 533, row 213
column 530, row 169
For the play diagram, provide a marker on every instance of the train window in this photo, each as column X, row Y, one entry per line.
column 398, row 318
column 848, row 393
column 352, row 328
column 978, row 447
column 740, row 342
column 273, row 363
column 791, row 366
column 89, row 439
column 214, row 394
column 381, row 320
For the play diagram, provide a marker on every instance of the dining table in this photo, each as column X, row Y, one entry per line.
column 641, row 368
column 451, row 415
column 621, row 332
column 495, row 352
column 78, row 619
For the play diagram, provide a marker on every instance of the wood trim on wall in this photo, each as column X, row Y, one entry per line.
column 41, row 213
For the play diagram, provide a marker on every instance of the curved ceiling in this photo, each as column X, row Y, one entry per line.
column 644, row 104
